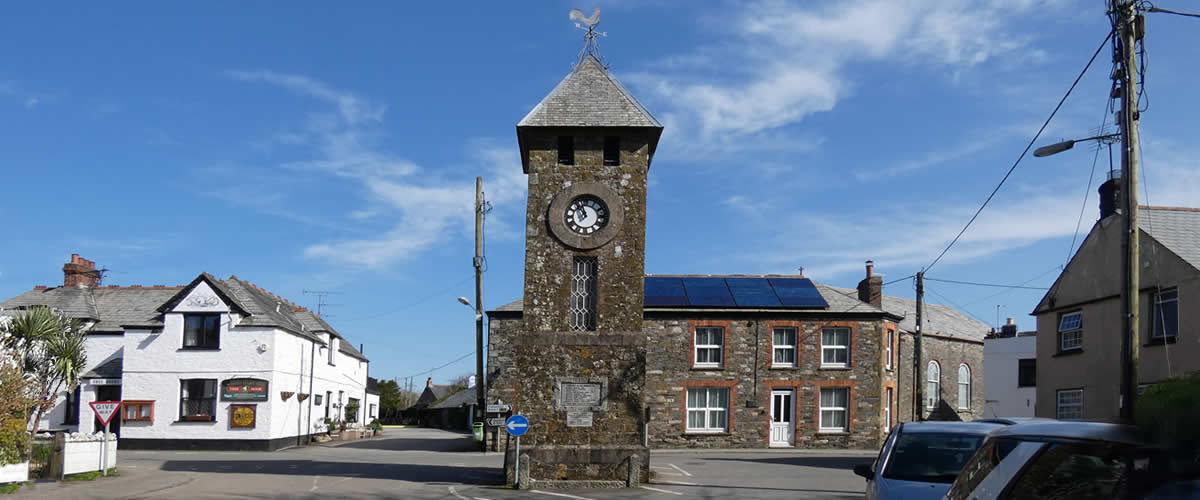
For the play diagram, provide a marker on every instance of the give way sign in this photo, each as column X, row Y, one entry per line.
column 105, row 410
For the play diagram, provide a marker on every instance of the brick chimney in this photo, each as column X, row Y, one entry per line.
column 1110, row 195
column 1009, row 329
column 870, row 289
column 80, row 272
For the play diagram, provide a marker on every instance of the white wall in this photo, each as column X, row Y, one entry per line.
column 100, row 349
column 1000, row 360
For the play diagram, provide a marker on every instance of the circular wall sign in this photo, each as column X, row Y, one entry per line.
column 586, row 215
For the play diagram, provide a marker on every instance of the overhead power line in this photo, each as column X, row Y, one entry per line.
column 956, row 306
column 431, row 370
column 1023, row 153
column 1168, row 11
column 994, row 285
column 1023, row 283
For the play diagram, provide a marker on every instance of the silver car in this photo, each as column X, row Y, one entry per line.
column 1068, row 460
column 919, row 460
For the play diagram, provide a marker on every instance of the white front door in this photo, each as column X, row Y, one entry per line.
column 782, row 418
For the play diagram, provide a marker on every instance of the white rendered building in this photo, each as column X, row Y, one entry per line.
column 1010, row 373
column 216, row 364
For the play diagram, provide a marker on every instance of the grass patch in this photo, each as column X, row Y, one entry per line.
column 10, row 488
column 88, row 476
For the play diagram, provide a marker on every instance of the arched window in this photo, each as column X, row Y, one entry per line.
column 964, row 387
column 933, row 384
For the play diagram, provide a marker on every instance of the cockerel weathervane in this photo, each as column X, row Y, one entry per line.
column 588, row 23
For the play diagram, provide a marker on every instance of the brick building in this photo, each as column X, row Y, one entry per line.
column 836, row 376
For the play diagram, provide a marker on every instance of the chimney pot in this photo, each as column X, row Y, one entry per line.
column 870, row 268
column 429, row 382
column 870, row 289
column 80, row 272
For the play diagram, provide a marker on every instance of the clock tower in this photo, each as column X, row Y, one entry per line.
column 577, row 369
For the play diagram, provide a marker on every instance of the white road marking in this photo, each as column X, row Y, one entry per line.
column 481, row 498
column 564, row 495
column 314, row 486
column 661, row 491
column 686, row 473
column 668, row 473
column 684, row 483
column 456, row 495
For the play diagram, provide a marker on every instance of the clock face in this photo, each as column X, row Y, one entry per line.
column 586, row 215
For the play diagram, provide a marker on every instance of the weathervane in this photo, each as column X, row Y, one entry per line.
column 590, row 46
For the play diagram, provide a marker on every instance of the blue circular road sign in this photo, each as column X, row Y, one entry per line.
column 516, row 425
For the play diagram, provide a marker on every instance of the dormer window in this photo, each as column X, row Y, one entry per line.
column 612, row 151
column 201, row 331
column 566, row 150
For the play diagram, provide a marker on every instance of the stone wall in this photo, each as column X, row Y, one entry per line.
column 620, row 262
column 670, row 372
column 949, row 353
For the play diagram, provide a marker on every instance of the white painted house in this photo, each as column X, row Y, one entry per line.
column 216, row 364
column 1010, row 373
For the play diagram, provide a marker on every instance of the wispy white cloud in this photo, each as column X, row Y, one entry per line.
column 781, row 61
column 353, row 109
column 429, row 207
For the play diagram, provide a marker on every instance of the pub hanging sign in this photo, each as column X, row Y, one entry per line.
column 244, row 389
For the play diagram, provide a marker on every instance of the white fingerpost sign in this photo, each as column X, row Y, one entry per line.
column 105, row 411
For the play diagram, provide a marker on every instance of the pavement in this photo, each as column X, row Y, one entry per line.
column 434, row 464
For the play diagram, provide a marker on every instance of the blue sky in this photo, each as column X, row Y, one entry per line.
column 334, row 147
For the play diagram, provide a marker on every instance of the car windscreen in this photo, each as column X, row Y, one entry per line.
column 931, row 457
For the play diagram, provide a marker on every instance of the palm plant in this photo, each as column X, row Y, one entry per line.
column 53, row 353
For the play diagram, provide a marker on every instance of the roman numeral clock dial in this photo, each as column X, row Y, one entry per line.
column 586, row 215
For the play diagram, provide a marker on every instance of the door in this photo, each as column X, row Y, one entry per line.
column 782, row 418
column 108, row 393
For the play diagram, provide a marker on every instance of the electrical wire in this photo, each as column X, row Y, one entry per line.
column 960, row 308
column 1168, row 11
column 1023, row 153
column 1021, row 287
column 1091, row 177
column 411, row 304
column 431, row 370
column 1030, row 280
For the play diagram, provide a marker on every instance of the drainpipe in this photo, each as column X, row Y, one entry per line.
column 753, row 401
column 364, row 404
column 312, row 361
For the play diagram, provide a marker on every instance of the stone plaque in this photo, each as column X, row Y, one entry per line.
column 579, row 419
column 581, row 394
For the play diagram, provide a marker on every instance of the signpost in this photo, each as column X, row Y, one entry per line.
column 495, row 422
column 105, row 411
column 517, row 425
column 499, row 409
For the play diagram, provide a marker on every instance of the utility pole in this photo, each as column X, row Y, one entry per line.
column 480, row 376
column 918, row 384
column 1130, row 28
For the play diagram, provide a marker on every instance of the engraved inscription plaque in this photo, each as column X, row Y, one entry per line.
column 579, row 419
column 581, row 394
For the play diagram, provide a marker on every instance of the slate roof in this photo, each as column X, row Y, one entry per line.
column 462, row 397
column 109, row 369
column 589, row 96
column 939, row 320
column 114, row 308
column 1177, row 228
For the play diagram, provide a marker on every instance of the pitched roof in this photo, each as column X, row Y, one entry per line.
column 115, row 308
column 1177, row 228
column 458, row 399
column 589, row 96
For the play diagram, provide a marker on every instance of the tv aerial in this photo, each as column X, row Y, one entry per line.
column 588, row 24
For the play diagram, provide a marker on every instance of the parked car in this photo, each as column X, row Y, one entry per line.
column 1068, row 460
column 1010, row 420
column 919, row 460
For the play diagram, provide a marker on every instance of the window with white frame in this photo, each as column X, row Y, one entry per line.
column 964, row 387
column 707, row 409
column 1070, row 331
column 710, row 342
column 784, row 342
column 891, row 346
column 887, row 411
column 1166, row 314
column 835, row 404
column 835, row 347
column 1070, row 404
column 933, row 384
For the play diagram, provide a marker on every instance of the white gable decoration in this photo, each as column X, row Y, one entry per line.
column 202, row 298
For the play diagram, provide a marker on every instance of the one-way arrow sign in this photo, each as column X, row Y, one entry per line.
column 516, row 425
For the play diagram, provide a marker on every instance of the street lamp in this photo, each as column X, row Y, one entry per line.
column 480, row 378
column 1059, row 147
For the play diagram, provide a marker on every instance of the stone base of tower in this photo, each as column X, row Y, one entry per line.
column 584, row 396
column 571, row 467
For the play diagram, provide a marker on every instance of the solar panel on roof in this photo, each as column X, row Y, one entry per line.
column 664, row 291
column 752, row 292
column 711, row 292
column 798, row 292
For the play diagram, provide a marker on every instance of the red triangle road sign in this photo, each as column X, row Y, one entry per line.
column 105, row 410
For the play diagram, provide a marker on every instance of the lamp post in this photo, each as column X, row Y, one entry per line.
column 480, row 377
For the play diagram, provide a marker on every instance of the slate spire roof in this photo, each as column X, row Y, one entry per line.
column 589, row 96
